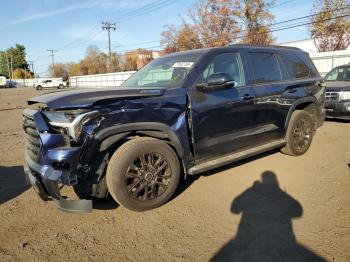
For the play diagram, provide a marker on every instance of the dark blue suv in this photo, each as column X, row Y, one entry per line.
column 182, row 114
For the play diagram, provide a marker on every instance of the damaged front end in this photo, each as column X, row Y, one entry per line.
column 55, row 142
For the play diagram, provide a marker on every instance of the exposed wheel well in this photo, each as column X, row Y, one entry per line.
column 120, row 139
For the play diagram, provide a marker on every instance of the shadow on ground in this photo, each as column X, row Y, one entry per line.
column 12, row 182
column 104, row 204
column 337, row 120
column 265, row 231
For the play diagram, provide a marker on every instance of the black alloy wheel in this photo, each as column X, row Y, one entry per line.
column 147, row 177
column 143, row 173
column 299, row 133
column 302, row 134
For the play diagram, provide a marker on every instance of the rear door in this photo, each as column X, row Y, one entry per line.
column 222, row 120
column 280, row 78
column 270, row 108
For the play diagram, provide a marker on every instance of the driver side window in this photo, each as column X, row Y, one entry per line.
column 228, row 63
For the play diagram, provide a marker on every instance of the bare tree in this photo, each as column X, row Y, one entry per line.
column 212, row 23
column 94, row 62
column 215, row 22
column 255, row 17
column 183, row 39
column 170, row 39
column 130, row 63
column 60, row 69
column 330, row 28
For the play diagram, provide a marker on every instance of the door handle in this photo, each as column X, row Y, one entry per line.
column 293, row 90
column 247, row 97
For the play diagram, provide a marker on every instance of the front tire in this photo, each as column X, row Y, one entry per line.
column 299, row 133
column 143, row 174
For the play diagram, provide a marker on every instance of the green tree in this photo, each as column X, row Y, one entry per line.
column 3, row 64
column 18, row 55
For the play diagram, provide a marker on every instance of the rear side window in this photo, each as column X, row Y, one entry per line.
column 295, row 66
column 265, row 66
column 308, row 62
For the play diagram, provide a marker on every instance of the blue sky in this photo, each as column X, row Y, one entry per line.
column 70, row 26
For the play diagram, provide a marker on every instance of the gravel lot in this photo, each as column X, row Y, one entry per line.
column 269, row 208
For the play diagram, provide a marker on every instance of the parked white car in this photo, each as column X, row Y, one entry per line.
column 2, row 81
column 49, row 83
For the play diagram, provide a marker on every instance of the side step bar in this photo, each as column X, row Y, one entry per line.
column 221, row 161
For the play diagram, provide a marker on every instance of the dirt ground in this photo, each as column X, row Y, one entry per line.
column 268, row 208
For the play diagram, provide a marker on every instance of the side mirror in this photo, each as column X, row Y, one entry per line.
column 217, row 81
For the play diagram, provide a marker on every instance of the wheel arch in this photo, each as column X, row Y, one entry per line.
column 112, row 135
column 306, row 103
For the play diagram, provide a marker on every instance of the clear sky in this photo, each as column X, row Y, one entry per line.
column 70, row 26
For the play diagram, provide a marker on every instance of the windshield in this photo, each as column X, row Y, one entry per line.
column 168, row 71
column 339, row 74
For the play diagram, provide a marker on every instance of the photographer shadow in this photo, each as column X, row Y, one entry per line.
column 265, row 231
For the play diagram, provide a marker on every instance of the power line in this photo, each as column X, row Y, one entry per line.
column 144, row 10
column 262, row 33
column 242, row 31
column 126, row 16
column 283, row 3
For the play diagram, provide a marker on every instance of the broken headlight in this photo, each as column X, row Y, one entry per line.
column 71, row 121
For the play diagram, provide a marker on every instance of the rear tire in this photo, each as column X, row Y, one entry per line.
column 39, row 88
column 299, row 133
column 143, row 174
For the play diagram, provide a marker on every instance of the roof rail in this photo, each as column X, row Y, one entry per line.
column 266, row 46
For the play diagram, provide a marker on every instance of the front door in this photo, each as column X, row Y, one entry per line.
column 222, row 120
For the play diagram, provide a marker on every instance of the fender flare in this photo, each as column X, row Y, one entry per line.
column 308, row 99
column 115, row 133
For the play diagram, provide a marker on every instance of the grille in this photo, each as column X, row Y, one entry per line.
column 332, row 96
column 31, row 135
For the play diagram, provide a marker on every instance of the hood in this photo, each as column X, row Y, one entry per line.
column 337, row 86
column 84, row 98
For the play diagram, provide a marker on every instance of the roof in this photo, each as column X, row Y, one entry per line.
column 266, row 47
column 206, row 50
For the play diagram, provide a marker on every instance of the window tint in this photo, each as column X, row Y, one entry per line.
column 265, row 66
column 295, row 66
column 308, row 62
column 229, row 63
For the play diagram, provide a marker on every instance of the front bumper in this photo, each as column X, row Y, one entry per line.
column 338, row 109
column 45, row 182
column 51, row 163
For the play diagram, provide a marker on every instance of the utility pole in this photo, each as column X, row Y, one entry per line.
column 108, row 26
column 32, row 64
column 53, row 60
column 11, row 67
column 8, row 65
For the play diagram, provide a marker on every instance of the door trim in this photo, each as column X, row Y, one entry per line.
column 221, row 161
